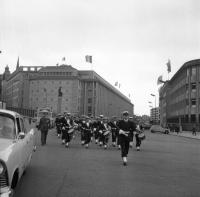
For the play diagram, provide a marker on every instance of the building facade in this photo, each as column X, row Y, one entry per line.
column 180, row 97
column 64, row 88
column 155, row 115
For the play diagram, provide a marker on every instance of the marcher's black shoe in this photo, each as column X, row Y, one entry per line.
column 125, row 163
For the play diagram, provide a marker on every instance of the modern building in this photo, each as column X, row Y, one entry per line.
column 63, row 88
column 180, row 97
column 155, row 114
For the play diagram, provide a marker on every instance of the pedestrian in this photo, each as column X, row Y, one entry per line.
column 43, row 126
column 194, row 130
column 126, row 127
column 138, row 131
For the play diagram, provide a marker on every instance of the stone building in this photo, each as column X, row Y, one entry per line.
column 64, row 88
column 180, row 97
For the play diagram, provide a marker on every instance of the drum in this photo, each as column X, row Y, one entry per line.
column 71, row 131
column 106, row 133
column 141, row 136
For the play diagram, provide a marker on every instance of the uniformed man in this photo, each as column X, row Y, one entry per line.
column 87, row 129
column 66, row 128
column 131, row 134
column 126, row 127
column 114, row 130
column 100, row 123
column 58, row 125
column 104, row 129
column 43, row 126
column 95, row 124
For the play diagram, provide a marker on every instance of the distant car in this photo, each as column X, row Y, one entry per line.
column 146, row 126
column 159, row 129
column 17, row 144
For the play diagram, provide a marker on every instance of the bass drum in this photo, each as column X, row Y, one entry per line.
column 71, row 131
column 141, row 136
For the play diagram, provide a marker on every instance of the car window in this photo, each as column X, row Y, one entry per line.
column 22, row 125
column 7, row 127
column 18, row 125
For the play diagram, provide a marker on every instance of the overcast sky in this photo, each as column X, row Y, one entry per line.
column 130, row 40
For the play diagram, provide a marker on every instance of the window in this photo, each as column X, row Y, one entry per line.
column 193, row 102
column 193, row 118
column 89, row 100
column 193, row 86
column 187, row 87
column 89, row 109
column 194, row 70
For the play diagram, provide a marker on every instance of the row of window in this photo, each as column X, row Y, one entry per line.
column 56, row 73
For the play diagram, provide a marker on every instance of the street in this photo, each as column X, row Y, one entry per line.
column 166, row 166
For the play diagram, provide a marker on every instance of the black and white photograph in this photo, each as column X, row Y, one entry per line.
column 99, row 98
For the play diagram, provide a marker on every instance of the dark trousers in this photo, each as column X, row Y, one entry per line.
column 44, row 137
column 96, row 135
column 87, row 137
column 131, row 137
column 124, row 142
column 114, row 136
column 138, row 141
column 66, row 136
column 105, row 139
column 82, row 135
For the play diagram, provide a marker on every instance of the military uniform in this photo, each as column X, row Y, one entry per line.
column 126, row 128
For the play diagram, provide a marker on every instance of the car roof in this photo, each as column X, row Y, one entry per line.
column 12, row 113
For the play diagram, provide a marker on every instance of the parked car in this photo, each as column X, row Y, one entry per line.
column 159, row 129
column 17, row 144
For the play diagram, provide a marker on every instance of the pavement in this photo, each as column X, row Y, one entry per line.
column 187, row 134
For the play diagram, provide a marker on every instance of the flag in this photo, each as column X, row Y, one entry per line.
column 88, row 58
column 119, row 85
column 129, row 95
column 63, row 59
column 159, row 81
column 169, row 66
column 17, row 63
column 116, row 83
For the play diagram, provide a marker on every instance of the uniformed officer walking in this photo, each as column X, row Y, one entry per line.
column 126, row 127
column 43, row 126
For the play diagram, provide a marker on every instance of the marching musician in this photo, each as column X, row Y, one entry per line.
column 138, row 140
column 87, row 130
column 58, row 124
column 66, row 128
column 95, row 124
column 104, row 129
column 114, row 130
column 126, row 127
column 131, row 134
column 100, row 123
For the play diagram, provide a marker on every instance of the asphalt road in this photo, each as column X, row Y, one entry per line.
column 166, row 166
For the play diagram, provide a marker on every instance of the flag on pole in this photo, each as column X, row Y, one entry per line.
column 169, row 66
column 88, row 58
column 17, row 63
column 119, row 85
column 116, row 83
column 159, row 81
column 63, row 59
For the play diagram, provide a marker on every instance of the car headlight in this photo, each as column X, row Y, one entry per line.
column 2, row 168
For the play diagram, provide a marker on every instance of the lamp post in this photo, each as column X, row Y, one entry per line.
column 155, row 105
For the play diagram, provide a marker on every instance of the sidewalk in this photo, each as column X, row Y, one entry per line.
column 187, row 134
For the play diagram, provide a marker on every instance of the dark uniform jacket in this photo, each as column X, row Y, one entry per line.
column 44, row 124
column 128, row 127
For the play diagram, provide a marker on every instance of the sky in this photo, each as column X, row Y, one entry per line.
column 130, row 40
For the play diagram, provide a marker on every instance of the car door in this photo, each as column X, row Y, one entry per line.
column 22, row 146
column 27, row 142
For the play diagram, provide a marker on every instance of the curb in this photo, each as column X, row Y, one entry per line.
column 179, row 135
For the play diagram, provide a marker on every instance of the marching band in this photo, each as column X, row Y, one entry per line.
column 101, row 129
